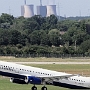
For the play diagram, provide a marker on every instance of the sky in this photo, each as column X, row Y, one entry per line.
column 66, row 8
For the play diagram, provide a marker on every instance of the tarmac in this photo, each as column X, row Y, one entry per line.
column 52, row 62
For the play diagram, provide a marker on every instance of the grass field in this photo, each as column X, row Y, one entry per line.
column 5, row 84
column 43, row 59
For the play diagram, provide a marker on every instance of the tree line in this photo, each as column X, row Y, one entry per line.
column 43, row 35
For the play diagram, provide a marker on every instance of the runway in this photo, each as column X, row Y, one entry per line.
column 52, row 62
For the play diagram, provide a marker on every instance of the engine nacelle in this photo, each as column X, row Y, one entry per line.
column 17, row 81
column 33, row 80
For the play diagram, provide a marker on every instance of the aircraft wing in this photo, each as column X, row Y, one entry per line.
column 50, row 79
column 55, row 78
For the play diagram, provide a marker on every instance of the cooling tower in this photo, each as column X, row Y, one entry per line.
column 51, row 9
column 42, row 10
column 28, row 11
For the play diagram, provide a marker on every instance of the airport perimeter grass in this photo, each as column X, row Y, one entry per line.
column 44, row 59
column 5, row 83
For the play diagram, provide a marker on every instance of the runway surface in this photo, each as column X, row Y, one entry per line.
column 52, row 62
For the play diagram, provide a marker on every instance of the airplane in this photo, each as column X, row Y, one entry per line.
column 21, row 74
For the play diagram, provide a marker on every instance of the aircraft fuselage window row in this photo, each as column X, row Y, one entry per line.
column 77, row 80
column 12, row 69
column 6, row 68
column 35, row 72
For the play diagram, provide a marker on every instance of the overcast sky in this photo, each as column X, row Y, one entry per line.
column 67, row 7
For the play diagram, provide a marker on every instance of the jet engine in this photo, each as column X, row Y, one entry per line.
column 33, row 80
column 17, row 81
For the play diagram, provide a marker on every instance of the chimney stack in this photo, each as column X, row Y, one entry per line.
column 25, row 2
column 40, row 2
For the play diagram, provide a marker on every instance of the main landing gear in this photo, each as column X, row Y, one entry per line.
column 44, row 88
column 35, row 88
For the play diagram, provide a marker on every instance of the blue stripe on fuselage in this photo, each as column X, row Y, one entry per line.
column 7, row 74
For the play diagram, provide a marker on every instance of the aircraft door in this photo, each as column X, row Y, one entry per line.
column 17, row 69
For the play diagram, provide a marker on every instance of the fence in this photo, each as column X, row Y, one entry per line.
column 48, row 55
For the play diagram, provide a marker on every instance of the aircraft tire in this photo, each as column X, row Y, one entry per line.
column 34, row 88
column 44, row 88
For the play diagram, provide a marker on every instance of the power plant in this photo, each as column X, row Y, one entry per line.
column 51, row 9
column 28, row 11
column 44, row 10
column 41, row 10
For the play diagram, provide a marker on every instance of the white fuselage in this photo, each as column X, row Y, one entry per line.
column 14, row 70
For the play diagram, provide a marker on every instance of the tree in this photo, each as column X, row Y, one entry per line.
column 4, row 37
column 6, row 18
column 18, row 23
column 51, row 22
column 67, row 39
column 64, row 25
column 39, row 37
column 14, row 37
column 35, row 38
column 5, row 25
column 85, row 46
column 54, row 37
column 30, row 25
